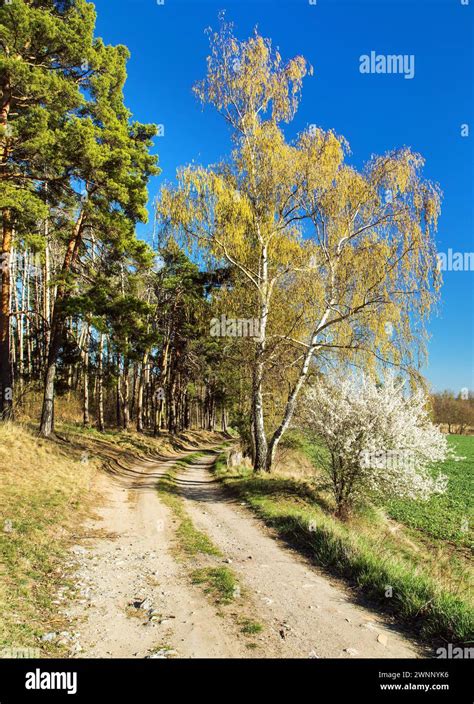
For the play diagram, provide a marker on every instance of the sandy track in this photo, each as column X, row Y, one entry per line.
column 310, row 614
column 134, row 562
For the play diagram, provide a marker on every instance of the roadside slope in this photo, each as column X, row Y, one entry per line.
column 45, row 495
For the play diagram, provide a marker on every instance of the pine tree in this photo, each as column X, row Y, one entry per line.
column 46, row 48
column 114, row 166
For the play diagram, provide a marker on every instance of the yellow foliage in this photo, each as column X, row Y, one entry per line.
column 327, row 257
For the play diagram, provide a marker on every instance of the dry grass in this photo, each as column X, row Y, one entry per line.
column 292, row 464
column 44, row 496
column 67, row 408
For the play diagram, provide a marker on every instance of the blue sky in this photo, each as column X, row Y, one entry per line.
column 374, row 112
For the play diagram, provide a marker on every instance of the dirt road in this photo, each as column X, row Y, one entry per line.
column 136, row 598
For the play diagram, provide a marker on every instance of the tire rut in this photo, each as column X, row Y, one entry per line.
column 133, row 598
column 305, row 611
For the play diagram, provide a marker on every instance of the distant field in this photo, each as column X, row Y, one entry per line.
column 447, row 517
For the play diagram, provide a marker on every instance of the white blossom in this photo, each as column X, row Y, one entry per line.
column 380, row 438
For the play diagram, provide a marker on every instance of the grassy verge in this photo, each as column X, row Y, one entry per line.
column 250, row 628
column 140, row 444
column 383, row 564
column 44, row 496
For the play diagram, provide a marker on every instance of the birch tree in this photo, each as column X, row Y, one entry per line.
column 338, row 262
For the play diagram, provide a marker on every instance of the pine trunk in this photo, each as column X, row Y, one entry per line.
column 6, row 383
column 86, row 419
column 141, row 383
column 57, row 331
column 100, row 384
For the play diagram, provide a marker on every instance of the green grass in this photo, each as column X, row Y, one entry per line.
column 299, row 441
column 250, row 628
column 220, row 582
column 191, row 540
column 448, row 516
column 436, row 603
column 189, row 459
column 194, row 541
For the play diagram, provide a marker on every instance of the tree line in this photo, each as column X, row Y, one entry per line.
column 455, row 411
